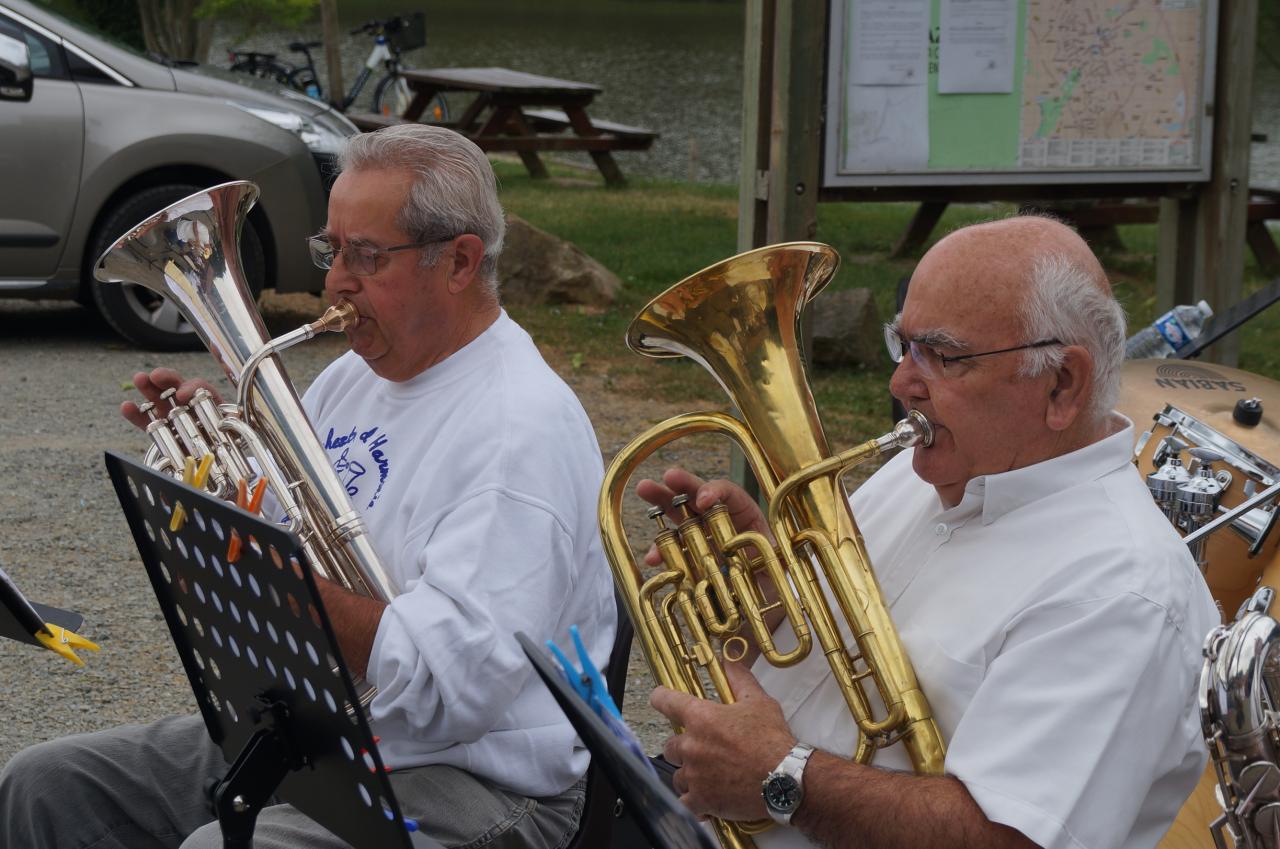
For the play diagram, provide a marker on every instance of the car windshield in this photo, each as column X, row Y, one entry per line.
column 71, row 15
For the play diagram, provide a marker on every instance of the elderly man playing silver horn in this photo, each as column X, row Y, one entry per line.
column 1053, row 617
column 476, row 470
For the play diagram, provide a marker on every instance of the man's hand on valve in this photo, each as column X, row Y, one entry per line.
column 153, row 384
column 703, row 495
column 725, row 751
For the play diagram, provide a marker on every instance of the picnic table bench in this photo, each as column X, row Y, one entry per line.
column 521, row 113
column 1102, row 216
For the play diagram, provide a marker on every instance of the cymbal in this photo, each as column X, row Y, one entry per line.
column 1206, row 391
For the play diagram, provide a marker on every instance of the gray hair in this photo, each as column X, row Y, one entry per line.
column 454, row 190
column 1065, row 302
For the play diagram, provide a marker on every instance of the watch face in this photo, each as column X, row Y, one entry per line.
column 782, row 793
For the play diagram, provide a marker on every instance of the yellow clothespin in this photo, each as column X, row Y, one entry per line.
column 179, row 517
column 63, row 642
column 194, row 475
column 202, row 472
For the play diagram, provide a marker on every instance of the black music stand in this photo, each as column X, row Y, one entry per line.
column 655, row 809
column 263, row 663
column 20, row 617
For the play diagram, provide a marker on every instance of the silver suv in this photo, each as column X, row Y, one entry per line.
column 95, row 137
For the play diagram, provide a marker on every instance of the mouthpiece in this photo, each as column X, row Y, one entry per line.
column 335, row 319
column 913, row 430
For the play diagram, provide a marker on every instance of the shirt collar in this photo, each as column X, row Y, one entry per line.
column 1007, row 491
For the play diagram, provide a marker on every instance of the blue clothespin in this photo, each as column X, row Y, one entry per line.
column 588, row 683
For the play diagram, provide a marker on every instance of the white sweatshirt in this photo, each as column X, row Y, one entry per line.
column 478, row 480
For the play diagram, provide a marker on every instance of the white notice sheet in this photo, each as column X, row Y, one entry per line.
column 888, row 128
column 976, row 46
column 889, row 42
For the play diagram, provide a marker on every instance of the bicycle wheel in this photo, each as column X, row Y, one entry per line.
column 392, row 97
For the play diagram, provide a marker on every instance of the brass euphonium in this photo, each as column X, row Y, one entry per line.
column 189, row 253
column 740, row 320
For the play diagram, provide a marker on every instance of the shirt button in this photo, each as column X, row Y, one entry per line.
column 940, row 529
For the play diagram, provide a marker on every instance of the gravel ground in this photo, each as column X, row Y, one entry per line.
column 65, row 541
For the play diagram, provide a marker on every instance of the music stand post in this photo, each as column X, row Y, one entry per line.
column 659, row 814
column 263, row 663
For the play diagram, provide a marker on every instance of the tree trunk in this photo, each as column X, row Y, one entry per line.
column 171, row 29
column 332, row 56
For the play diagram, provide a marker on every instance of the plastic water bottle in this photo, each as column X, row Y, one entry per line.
column 1169, row 334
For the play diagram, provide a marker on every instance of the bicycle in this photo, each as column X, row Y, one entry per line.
column 391, row 94
column 264, row 65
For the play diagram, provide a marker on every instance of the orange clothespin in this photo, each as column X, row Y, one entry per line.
column 255, row 503
column 233, row 546
column 242, row 494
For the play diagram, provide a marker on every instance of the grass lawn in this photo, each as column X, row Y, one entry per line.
column 653, row 234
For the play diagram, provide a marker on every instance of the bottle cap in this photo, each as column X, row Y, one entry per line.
column 1205, row 308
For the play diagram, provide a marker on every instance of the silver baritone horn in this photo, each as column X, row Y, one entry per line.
column 189, row 253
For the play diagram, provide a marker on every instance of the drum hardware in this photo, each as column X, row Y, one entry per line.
column 1169, row 475
column 1197, row 498
column 1183, row 424
column 1247, row 519
column 1190, row 495
column 1247, row 411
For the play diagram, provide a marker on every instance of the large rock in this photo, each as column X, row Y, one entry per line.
column 539, row 268
column 846, row 328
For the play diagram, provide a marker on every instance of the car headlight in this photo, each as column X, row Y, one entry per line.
column 319, row 135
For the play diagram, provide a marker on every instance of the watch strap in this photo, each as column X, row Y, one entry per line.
column 792, row 766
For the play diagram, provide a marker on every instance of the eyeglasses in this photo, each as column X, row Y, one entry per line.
column 934, row 364
column 360, row 260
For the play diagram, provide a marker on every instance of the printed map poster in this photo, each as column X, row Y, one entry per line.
column 1108, row 83
column 1101, row 91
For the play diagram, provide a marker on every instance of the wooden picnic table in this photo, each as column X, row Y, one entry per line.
column 522, row 113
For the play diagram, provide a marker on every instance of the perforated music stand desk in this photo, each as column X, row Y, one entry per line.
column 655, row 809
column 263, row 662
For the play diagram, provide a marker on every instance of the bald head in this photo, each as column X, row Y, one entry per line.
column 1004, row 253
column 1037, row 276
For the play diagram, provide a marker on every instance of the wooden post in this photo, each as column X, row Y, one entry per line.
column 783, row 56
column 1221, row 216
column 795, row 149
column 332, row 57
column 757, row 97
column 1175, row 255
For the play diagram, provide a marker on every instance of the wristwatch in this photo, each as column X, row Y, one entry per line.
column 783, row 789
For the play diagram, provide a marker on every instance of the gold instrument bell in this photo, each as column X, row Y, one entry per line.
column 740, row 320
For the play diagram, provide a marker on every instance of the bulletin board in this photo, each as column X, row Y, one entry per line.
column 934, row 93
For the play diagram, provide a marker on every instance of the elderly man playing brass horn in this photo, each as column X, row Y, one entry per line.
column 1053, row 616
column 476, row 470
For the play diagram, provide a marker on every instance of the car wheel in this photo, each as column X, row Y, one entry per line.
column 136, row 313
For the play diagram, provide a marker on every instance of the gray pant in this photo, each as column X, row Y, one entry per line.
column 143, row 787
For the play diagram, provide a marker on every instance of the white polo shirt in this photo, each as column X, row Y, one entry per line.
column 1055, row 622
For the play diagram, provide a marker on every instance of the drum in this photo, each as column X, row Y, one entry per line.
column 1196, row 404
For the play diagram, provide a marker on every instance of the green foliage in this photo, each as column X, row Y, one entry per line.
column 653, row 234
column 253, row 15
column 110, row 17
